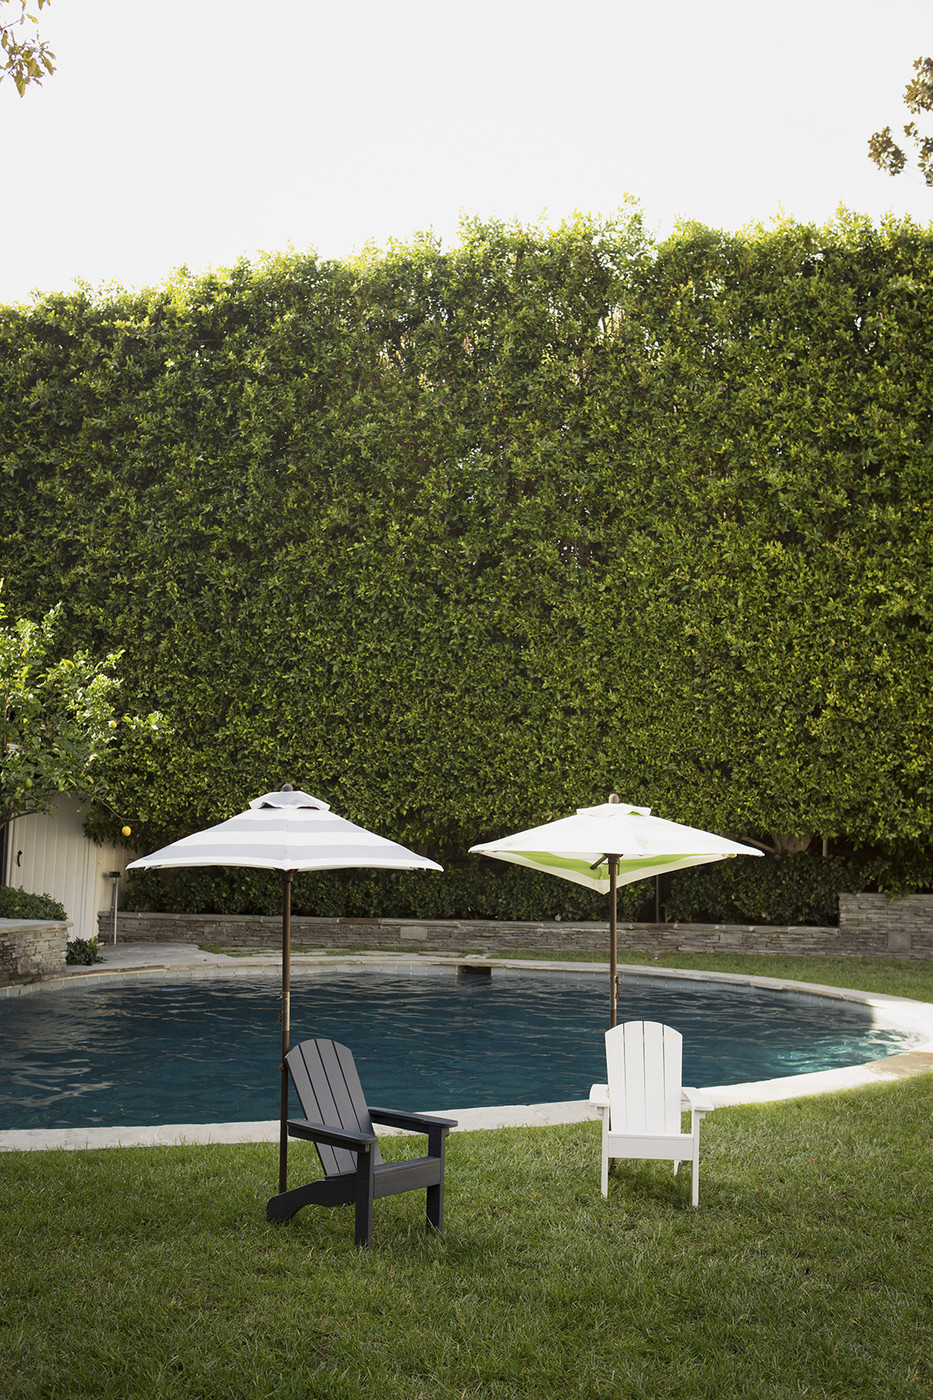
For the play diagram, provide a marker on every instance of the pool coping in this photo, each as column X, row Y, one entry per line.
column 164, row 962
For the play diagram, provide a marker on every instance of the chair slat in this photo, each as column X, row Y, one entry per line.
column 643, row 1060
column 329, row 1091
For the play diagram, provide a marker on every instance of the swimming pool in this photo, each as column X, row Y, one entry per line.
column 208, row 1051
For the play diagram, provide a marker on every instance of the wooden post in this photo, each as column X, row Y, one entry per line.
column 286, row 1016
column 613, row 970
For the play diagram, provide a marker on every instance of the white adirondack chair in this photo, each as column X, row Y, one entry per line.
column 641, row 1105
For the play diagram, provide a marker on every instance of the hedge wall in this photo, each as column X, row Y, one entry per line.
column 460, row 540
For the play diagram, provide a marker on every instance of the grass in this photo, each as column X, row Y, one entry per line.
column 891, row 976
column 140, row 1272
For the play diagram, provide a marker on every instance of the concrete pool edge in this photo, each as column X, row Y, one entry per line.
column 160, row 962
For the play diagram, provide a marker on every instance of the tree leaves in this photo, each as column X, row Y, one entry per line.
column 26, row 60
column 57, row 718
column 918, row 98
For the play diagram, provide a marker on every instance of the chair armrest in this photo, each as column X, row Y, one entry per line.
column 418, row 1122
column 333, row 1137
column 599, row 1096
column 696, row 1102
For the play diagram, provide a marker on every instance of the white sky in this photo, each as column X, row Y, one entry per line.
column 196, row 131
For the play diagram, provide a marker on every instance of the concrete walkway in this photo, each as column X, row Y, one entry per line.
column 158, row 961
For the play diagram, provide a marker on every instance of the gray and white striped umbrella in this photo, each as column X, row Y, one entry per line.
column 287, row 831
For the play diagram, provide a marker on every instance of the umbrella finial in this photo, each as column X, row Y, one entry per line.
column 287, row 787
column 614, row 797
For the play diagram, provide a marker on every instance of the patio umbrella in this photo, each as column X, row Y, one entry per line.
column 610, row 845
column 287, row 831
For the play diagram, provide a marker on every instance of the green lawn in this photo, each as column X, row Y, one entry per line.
column 138, row 1273
column 152, row 1272
column 894, row 976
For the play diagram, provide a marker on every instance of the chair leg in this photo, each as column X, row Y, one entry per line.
column 285, row 1205
column 365, row 1187
column 604, row 1174
column 604, row 1177
column 435, row 1206
column 437, row 1147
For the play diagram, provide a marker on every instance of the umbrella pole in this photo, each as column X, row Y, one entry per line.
column 286, row 1014
column 613, row 969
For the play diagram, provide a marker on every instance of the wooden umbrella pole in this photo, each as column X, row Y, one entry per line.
column 613, row 970
column 286, row 1014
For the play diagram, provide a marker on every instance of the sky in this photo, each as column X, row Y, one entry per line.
column 196, row 132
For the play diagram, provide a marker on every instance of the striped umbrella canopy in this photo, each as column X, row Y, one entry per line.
column 287, row 831
column 610, row 845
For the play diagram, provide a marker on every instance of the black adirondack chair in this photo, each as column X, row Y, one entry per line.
column 339, row 1123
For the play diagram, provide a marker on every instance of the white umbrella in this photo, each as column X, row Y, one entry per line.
column 610, row 845
column 287, row 831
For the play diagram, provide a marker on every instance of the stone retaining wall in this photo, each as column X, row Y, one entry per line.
column 901, row 928
column 873, row 926
column 31, row 948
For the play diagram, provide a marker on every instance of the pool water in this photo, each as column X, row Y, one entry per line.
column 209, row 1051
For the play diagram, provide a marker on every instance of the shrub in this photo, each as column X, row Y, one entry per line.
column 471, row 891
column 796, row 889
column 18, row 904
column 83, row 951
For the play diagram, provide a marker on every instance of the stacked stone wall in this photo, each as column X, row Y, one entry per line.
column 870, row 926
column 892, row 928
column 30, row 948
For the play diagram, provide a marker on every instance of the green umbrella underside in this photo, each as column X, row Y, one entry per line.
column 610, row 845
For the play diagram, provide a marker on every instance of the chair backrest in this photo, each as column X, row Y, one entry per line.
column 643, row 1062
column 329, row 1092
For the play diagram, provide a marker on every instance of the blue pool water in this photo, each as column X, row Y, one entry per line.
column 209, row 1051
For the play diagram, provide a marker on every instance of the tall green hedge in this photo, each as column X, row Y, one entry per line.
column 460, row 540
